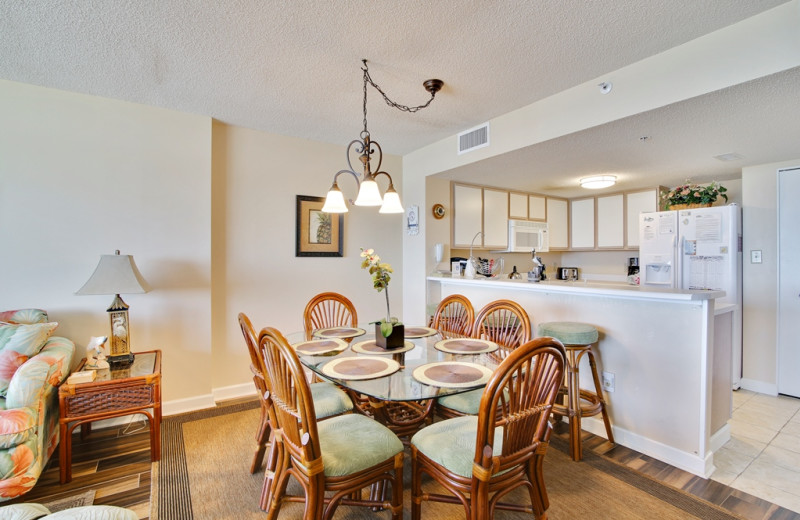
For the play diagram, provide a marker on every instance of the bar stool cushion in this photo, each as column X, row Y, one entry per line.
column 451, row 443
column 569, row 332
column 329, row 400
column 352, row 443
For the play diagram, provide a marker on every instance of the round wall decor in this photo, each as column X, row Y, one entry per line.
column 438, row 211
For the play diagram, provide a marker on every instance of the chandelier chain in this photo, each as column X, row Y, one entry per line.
column 394, row 104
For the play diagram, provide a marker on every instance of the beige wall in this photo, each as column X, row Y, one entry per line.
column 207, row 210
column 81, row 176
column 256, row 178
column 760, row 282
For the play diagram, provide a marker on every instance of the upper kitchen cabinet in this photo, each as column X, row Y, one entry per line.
column 637, row 202
column 495, row 219
column 582, row 223
column 477, row 209
column 518, row 205
column 610, row 221
column 537, row 207
column 467, row 218
column 557, row 223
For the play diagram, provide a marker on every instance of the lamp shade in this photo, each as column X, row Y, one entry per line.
column 391, row 202
column 368, row 194
column 115, row 274
column 334, row 201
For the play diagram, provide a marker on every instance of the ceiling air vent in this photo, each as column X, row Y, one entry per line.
column 473, row 138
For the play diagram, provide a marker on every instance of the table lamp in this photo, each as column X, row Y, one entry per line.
column 117, row 274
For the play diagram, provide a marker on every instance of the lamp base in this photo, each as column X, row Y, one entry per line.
column 121, row 361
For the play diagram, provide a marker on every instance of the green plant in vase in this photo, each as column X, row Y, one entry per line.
column 381, row 273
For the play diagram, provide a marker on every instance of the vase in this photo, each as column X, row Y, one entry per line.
column 395, row 340
column 689, row 206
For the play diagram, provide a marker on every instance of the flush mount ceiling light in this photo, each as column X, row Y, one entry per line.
column 368, row 192
column 598, row 181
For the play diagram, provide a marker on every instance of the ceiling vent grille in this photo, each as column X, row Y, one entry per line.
column 473, row 138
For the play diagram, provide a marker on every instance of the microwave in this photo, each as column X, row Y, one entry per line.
column 525, row 236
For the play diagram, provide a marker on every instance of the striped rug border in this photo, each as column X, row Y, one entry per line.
column 174, row 494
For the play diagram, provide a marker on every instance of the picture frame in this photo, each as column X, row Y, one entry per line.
column 317, row 233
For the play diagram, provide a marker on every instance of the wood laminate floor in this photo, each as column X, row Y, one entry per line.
column 117, row 466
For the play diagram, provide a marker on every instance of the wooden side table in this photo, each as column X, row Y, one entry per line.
column 114, row 393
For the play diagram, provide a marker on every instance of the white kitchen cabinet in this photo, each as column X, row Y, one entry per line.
column 518, row 205
column 557, row 223
column 495, row 218
column 610, row 221
column 637, row 202
column 582, row 223
column 467, row 214
column 537, row 207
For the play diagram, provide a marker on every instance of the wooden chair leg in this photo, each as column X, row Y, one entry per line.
column 574, row 407
column 262, row 437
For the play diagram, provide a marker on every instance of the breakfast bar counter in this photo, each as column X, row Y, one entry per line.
column 671, row 393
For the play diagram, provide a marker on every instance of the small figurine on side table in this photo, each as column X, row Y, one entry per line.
column 96, row 353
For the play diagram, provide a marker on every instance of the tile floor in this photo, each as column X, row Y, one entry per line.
column 763, row 456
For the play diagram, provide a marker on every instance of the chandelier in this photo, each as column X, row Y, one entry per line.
column 364, row 147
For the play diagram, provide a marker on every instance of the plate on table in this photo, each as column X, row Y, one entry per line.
column 452, row 374
column 370, row 347
column 318, row 347
column 419, row 332
column 339, row 332
column 466, row 346
column 360, row 367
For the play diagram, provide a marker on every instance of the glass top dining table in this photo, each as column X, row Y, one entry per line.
column 426, row 367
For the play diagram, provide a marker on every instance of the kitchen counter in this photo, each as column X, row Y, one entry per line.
column 595, row 288
column 672, row 374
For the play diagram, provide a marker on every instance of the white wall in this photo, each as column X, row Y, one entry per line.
column 207, row 210
column 760, row 282
column 81, row 176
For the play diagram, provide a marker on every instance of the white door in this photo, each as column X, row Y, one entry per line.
column 788, row 282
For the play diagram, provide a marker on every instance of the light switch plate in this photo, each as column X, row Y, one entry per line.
column 755, row 256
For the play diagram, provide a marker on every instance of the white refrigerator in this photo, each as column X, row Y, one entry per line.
column 697, row 249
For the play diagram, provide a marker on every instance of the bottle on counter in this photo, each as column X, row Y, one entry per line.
column 515, row 274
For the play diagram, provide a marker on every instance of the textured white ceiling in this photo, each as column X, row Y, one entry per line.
column 292, row 67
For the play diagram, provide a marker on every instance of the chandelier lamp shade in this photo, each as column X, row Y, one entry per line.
column 369, row 193
column 117, row 274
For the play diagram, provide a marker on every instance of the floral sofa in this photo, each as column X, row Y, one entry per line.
column 33, row 363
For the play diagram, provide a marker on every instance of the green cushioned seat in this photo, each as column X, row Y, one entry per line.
column 451, row 443
column 466, row 403
column 329, row 400
column 351, row 443
column 569, row 332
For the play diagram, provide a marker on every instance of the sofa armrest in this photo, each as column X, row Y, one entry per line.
column 50, row 367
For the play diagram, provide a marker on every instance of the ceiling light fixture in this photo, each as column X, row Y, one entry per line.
column 598, row 181
column 368, row 192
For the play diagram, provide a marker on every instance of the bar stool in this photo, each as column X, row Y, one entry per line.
column 578, row 339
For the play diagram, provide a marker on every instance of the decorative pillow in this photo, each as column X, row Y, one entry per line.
column 18, row 343
column 24, row 316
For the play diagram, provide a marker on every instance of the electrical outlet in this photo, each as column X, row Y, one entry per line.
column 755, row 256
column 608, row 381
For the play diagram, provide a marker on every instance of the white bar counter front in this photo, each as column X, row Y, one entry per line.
column 672, row 381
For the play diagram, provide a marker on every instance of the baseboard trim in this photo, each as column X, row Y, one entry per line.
column 189, row 404
column 233, row 392
column 760, row 386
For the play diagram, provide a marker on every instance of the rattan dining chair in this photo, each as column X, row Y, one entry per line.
column 328, row 309
column 454, row 316
column 333, row 460
column 504, row 322
column 330, row 399
column 507, row 448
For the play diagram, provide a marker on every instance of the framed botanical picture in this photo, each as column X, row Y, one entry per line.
column 318, row 233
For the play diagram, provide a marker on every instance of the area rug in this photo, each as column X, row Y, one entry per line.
column 204, row 474
column 83, row 499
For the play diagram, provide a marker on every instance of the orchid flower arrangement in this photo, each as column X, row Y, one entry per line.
column 381, row 275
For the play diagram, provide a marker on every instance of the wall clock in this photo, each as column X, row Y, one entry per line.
column 438, row 211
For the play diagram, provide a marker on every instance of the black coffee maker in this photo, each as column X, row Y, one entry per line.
column 633, row 265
